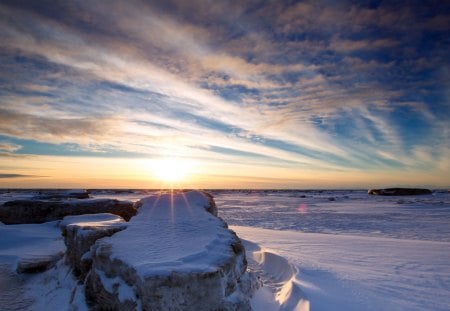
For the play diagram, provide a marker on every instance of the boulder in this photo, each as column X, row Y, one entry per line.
column 399, row 191
column 175, row 254
column 38, row 211
column 81, row 232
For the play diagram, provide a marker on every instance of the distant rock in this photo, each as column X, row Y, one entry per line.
column 81, row 232
column 175, row 254
column 399, row 191
column 38, row 211
column 62, row 194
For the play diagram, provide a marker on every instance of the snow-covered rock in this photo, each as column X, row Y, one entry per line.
column 31, row 248
column 35, row 211
column 81, row 232
column 175, row 254
column 37, row 263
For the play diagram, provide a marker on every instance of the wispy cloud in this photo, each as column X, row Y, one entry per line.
column 319, row 85
column 8, row 147
column 19, row 176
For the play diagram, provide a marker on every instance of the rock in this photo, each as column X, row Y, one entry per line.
column 37, row 263
column 35, row 211
column 175, row 254
column 81, row 232
column 399, row 191
column 62, row 194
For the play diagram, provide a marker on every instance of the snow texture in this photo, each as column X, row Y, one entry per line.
column 344, row 272
column 174, row 254
column 318, row 250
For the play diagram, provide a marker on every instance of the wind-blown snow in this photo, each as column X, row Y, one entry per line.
column 182, row 238
column 22, row 241
column 280, row 290
column 343, row 272
column 27, row 243
column 352, row 251
column 323, row 250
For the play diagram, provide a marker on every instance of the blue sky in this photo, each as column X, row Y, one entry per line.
column 255, row 93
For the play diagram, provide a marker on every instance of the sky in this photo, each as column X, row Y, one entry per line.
column 230, row 94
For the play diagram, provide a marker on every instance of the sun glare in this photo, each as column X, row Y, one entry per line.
column 172, row 169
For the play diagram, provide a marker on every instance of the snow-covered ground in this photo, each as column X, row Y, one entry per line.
column 351, row 251
column 315, row 250
column 345, row 272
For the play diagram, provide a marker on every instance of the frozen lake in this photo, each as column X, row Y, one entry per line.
column 424, row 217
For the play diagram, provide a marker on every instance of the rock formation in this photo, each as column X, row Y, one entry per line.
column 399, row 191
column 62, row 194
column 175, row 254
column 81, row 232
column 38, row 211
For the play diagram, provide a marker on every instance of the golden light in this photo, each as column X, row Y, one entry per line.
column 172, row 170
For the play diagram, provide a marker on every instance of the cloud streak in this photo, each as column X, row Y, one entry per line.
column 19, row 176
column 318, row 85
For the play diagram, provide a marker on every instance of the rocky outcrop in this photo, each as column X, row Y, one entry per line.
column 38, row 211
column 175, row 254
column 81, row 232
column 62, row 194
column 399, row 191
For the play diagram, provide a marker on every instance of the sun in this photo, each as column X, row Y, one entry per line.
column 172, row 170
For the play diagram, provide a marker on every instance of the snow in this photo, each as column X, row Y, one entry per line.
column 32, row 291
column 355, row 252
column 318, row 250
column 425, row 217
column 344, row 272
column 24, row 241
column 56, row 288
column 92, row 220
column 116, row 284
column 161, row 240
column 280, row 290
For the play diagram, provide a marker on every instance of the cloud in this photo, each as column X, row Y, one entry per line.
column 8, row 147
column 41, row 128
column 19, row 176
column 346, row 46
column 314, row 84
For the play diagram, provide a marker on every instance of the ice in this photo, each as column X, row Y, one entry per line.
column 352, row 212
